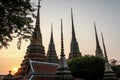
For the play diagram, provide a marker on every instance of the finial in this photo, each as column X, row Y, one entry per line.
column 105, row 53
column 39, row 3
column 97, row 41
column 62, row 45
column 10, row 71
column 38, row 16
column 51, row 28
column 73, row 30
column 37, row 37
column 51, row 40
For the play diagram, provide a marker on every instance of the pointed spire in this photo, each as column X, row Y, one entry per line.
column 37, row 37
column 63, row 72
column 35, row 51
column 51, row 40
column 62, row 44
column 97, row 41
column 104, row 48
column 108, row 73
column 51, row 53
column 73, row 30
column 38, row 15
column 74, row 48
column 98, row 51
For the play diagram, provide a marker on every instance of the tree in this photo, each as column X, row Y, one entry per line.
column 116, row 69
column 87, row 67
column 115, row 66
column 114, row 62
column 15, row 20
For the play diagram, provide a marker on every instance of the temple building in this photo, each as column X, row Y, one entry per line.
column 98, row 51
column 74, row 48
column 51, row 53
column 63, row 72
column 8, row 76
column 38, row 66
column 108, row 73
column 35, row 51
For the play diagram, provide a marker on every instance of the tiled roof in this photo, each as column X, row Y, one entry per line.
column 43, row 67
column 43, row 70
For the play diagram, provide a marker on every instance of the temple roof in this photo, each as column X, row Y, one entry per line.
column 42, row 69
column 38, row 67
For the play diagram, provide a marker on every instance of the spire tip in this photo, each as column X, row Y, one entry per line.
column 62, row 44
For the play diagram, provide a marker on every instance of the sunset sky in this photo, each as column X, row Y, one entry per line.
column 105, row 13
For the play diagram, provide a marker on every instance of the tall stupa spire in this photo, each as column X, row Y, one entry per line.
column 98, row 51
column 62, row 44
column 74, row 48
column 108, row 73
column 97, row 41
column 51, row 39
column 35, row 51
column 37, row 36
column 105, row 53
column 63, row 72
column 51, row 53
column 38, row 15
column 73, row 30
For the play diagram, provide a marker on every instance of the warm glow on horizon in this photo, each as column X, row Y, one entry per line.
column 15, row 69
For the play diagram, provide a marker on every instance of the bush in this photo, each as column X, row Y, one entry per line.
column 87, row 67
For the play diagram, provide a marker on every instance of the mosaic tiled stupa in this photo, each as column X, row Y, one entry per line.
column 63, row 72
column 51, row 53
column 108, row 73
column 74, row 48
column 35, row 51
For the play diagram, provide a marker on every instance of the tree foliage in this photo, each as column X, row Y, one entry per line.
column 87, row 67
column 116, row 69
column 114, row 62
column 14, row 18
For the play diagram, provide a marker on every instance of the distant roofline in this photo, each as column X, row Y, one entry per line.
column 31, row 61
